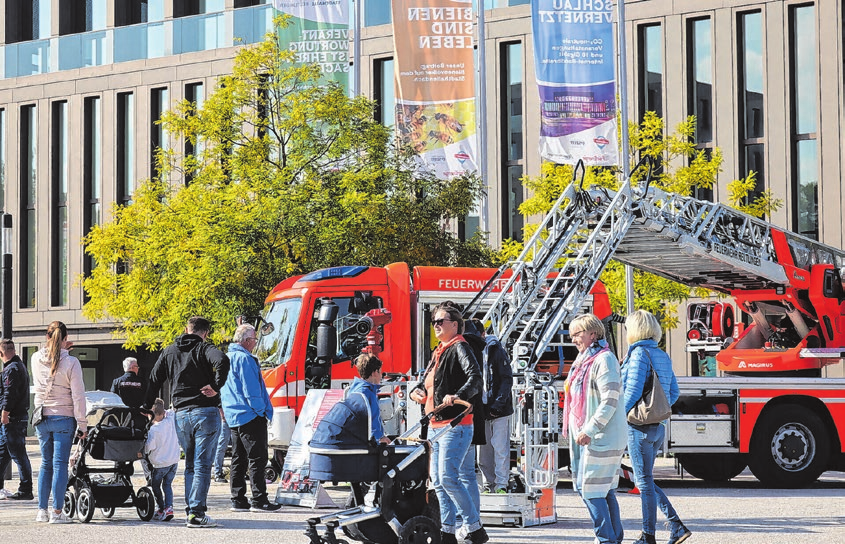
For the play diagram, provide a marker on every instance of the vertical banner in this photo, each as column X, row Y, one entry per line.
column 435, row 84
column 318, row 33
column 574, row 63
column 295, row 486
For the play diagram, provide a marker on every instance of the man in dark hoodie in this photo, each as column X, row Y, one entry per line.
column 14, row 416
column 197, row 371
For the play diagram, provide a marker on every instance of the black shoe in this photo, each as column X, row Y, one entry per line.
column 21, row 496
column 240, row 506
column 448, row 538
column 265, row 507
column 645, row 538
column 479, row 536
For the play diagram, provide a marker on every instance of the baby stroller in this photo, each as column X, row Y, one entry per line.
column 101, row 466
column 389, row 503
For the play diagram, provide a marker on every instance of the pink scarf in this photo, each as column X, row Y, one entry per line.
column 575, row 391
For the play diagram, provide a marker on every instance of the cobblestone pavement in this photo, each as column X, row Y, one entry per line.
column 738, row 512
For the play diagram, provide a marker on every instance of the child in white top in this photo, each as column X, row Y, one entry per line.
column 162, row 450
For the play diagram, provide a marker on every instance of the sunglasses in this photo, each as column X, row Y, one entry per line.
column 439, row 322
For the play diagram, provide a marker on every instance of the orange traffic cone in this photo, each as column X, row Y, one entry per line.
column 628, row 475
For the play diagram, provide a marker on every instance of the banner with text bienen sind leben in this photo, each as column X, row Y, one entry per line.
column 318, row 33
column 435, row 84
column 574, row 62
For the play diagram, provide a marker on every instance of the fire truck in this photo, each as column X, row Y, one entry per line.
column 344, row 306
column 769, row 409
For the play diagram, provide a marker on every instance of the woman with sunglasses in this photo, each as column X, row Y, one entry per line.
column 595, row 426
column 453, row 374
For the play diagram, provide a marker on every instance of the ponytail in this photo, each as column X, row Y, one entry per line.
column 56, row 334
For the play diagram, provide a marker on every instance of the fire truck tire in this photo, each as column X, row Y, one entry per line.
column 713, row 467
column 790, row 447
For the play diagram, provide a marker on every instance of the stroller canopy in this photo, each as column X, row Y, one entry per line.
column 346, row 428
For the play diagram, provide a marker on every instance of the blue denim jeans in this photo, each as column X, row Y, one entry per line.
column 643, row 445
column 222, row 443
column 452, row 460
column 13, row 447
column 197, row 430
column 607, row 521
column 161, row 480
column 55, row 436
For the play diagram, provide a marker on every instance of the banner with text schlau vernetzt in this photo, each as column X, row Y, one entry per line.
column 573, row 56
column 318, row 33
column 435, row 87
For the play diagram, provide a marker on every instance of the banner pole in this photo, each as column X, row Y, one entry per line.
column 623, row 140
column 356, row 44
column 481, row 121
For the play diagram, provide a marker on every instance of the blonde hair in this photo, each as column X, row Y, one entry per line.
column 56, row 334
column 158, row 408
column 589, row 323
column 642, row 325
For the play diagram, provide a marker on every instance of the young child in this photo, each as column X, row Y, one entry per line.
column 162, row 450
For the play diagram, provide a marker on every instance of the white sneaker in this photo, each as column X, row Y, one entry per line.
column 43, row 515
column 4, row 494
column 59, row 518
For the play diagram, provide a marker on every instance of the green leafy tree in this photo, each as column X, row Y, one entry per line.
column 683, row 168
column 289, row 175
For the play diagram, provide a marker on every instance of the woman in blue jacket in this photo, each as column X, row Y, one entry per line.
column 644, row 441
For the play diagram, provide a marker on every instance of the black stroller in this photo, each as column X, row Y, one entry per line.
column 101, row 465
column 390, row 502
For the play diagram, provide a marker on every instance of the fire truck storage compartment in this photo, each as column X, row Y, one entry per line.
column 701, row 430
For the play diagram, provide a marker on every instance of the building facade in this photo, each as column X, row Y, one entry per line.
column 81, row 90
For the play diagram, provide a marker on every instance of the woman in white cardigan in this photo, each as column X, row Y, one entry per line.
column 595, row 425
column 59, row 389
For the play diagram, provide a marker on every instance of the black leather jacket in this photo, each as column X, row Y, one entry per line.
column 457, row 374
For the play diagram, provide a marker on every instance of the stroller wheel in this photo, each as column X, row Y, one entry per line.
column 145, row 504
column 69, row 507
column 419, row 530
column 85, row 504
column 107, row 512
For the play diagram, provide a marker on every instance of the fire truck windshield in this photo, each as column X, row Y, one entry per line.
column 276, row 336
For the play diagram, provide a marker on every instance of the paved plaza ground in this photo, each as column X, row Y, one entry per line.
column 738, row 512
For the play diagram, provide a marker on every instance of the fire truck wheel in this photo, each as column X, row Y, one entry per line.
column 713, row 467
column 790, row 448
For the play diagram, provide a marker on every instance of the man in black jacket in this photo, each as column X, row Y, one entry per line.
column 494, row 456
column 14, row 416
column 197, row 371
column 130, row 386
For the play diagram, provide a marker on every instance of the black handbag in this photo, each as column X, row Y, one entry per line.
column 38, row 411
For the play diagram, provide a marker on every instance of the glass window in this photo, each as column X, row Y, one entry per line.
column 385, row 93
column 159, row 103
column 125, row 147
column 752, row 103
column 277, row 331
column 28, row 173
column 193, row 93
column 41, row 18
column 807, row 188
column 92, row 170
column 377, row 12
column 804, row 95
column 701, row 78
column 512, row 139
column 651, row 69
column 58, row 219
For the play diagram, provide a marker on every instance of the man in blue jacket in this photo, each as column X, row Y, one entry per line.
column 247, row 409
column 494, row 456
column 14, row 415
column 368, row 384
